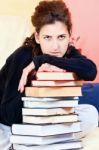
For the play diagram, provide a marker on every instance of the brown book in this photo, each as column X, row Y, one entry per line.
column 53, row 91
column 56, row 76
column 55, row 83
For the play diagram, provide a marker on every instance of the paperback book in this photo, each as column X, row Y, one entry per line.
column 70, row 145
column 50, row 119
column 45, row 129
column 47, row 112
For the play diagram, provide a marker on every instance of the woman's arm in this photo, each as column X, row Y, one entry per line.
column 75, row 62
column 24, row 76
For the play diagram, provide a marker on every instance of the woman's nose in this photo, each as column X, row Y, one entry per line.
column 55, row 44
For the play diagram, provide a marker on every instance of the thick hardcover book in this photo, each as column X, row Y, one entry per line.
column 45, row 130
column 50, row 119
column 53, row 91
column 70, row 145
column 47, row 112
column 59, row 83
column 56, row 76
column 37, row 140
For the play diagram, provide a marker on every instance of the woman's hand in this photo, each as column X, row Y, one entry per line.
column 24, row 76
column 44, row 67
column 50, row 68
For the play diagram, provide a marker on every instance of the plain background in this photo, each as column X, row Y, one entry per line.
column 85, row 16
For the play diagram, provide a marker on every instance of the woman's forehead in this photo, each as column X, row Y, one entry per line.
column 57, row 27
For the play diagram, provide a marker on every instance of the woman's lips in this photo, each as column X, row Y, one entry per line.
column 55, row 53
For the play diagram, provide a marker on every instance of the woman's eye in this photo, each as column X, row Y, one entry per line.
column 47, row 37
column 61, row 37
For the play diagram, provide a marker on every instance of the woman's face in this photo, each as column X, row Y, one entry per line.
column 53, row 39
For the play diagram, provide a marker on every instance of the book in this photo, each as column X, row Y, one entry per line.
column 47, row 112
column 56, row 76
column 50, row 119
column 53, row 91
column 48, row 99
column 41, row 83
column 38, row 140
column 70, row 145
column 54, row 104
column 45, row 129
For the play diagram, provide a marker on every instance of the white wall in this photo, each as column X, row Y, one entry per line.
column 15, row 25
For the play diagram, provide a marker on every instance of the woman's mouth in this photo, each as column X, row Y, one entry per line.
column 55, row 53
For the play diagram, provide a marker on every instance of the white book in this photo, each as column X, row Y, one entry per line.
column 56, row 83
column 67, row 76
column 49, row 99
column 47, row 112
column 72, row 145
column 37, row 140
column 50, row 119
column 45, row 130
column 54, row 104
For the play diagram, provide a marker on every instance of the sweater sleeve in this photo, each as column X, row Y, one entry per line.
column 77, row 63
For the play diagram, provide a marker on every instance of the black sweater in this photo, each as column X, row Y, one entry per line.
column 10, row 74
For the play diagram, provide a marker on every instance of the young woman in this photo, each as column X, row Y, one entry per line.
column 47, row 49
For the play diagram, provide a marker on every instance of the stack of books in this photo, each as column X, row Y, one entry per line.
column 49, row 118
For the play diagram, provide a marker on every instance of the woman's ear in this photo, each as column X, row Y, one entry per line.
column 36, row 35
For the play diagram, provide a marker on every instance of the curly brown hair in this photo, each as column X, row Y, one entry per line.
column 47, row 12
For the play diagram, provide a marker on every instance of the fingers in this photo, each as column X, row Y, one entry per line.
column 24, row 76
column 23, row 81
column 45, row 67
column 50, row 68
